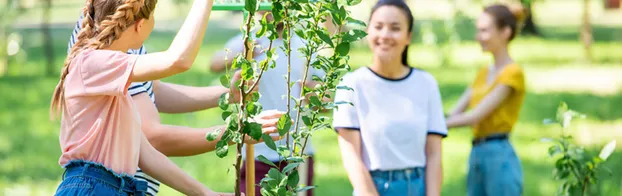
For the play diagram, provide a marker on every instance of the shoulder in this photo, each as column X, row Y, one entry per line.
column 513, row 69
column 424, row 76
column 100, row 60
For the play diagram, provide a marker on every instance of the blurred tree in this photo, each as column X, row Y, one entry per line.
column 8, row 12
column 586, row 30
column 48, row 44
column 529, row 26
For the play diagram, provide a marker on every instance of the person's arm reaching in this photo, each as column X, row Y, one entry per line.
column 175, row 98
column 180, row 55
column 486, row 106
column 174, row 140
column 462, row 103
column 350, row 146
column 161, row 168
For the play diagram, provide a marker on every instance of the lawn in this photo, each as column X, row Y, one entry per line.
column 29, row 149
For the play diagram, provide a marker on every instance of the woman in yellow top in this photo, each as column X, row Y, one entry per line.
column 494, row 100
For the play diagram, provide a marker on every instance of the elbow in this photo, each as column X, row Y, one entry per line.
column 181, row 65
column 155, row 137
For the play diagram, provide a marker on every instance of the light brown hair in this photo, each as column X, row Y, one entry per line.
column 103, row 23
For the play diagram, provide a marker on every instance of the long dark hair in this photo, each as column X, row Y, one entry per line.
column 404, row 7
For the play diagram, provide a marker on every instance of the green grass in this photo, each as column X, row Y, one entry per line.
column 29, row 149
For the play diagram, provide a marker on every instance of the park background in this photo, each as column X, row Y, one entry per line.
column 33, row 45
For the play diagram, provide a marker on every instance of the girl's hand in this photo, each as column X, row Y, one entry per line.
column 268, row 120
column 235, row 91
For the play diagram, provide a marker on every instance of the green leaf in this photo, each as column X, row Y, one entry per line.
column 225, row 114
column 222, row 148
column 354, row 35
column 269, row 141
column 325, row 37
column 211, row 136
column 275, row 174
column 223, row 101
column 353, row 2
column 247, row 70
column 343, row 102
column 293, row 178
column 306, row 188
column 253, row 129
column 265, row 160
column 355, row 21
column 315, row 101
column 300, row 33
column 343, row 48
column 224, row 81
column 250, row 6
column 284, row 124
column 254, row 108
column 264, row 26
column 255, row 96
column 306, row 120
column 265, row 192
column 294, row 159
column 282, row 191
column 302, row 1
column 283, row 151
column 277, row 11
column 290, row 167
column 607, row 150
column 345, row 88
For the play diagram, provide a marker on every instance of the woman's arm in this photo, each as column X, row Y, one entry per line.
column 161, row 168
column 434, row 165
column 462, row 103
column 350, row 146
column 486, row 106
column 181, row 54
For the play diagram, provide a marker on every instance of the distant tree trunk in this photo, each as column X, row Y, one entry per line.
column 586, row 30
column 48, row 44
column 530, row 27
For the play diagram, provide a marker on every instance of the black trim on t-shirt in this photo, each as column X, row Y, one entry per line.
column 410, row 71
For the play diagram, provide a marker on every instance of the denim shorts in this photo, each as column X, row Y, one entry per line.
column 404, row 182
column 494, row 170
column 88, row 178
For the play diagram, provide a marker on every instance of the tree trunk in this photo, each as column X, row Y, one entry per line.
column 48, row 44
column 586, row 30
column 530, row 27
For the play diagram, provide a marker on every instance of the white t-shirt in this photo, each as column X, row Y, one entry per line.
column 394, row 116
column 273, row 85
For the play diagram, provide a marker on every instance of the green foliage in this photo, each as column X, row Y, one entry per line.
column 304, row 19
column 575, row 168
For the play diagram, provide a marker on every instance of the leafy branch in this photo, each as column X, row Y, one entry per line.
column 573, row 167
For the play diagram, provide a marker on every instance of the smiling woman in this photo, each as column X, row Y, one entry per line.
column 390, row 139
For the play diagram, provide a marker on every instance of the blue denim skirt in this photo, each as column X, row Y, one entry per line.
column 88, row 178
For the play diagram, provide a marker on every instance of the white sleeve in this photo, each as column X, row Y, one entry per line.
column 345, row 115
column 436, row 117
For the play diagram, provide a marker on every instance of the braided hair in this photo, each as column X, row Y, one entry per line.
column 103, row 23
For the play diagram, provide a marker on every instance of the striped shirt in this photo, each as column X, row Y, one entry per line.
column 134, row 89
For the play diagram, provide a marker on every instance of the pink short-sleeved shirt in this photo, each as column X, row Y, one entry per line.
column 100, row 122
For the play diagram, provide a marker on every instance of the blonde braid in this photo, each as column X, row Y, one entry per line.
column 112, row 27
column 84, row 35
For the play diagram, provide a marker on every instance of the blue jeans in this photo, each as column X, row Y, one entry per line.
column 88, row 178
column 406, row 182
column 494, row 170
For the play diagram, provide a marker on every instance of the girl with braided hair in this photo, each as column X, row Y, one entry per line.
column 101, row 139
